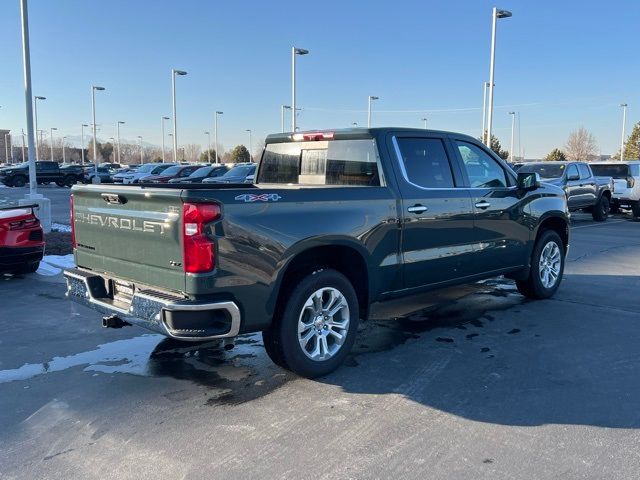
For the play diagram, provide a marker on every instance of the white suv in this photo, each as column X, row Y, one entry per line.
column 626, row 177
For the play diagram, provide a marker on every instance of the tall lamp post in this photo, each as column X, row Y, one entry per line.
column 371, row 99
column 624, row 121
column 175, row 72
column 424, row 119
column 35, row 110
column 485, row 87
column 513, row 127
column 208, row 134
column 162, row 119
column 494, row 20
column 6, row 147
column 64, row 157
column 51, row 141
column 282, row 109
column 23, row 149
column 250, row 144
column 95, row 146
column 82, row 140
column 215, row 132
column 294, row 51
column 118, row 135
column 141, row 150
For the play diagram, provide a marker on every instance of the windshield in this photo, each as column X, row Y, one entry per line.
column 240, row 171
column 160, row 169
column 545, row 170
column 201, row 172
column 610, row 170
column 171, row 170
column 145, row 168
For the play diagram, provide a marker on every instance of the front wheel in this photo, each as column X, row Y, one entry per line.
column 601, row 209
column 547, row 267
column 317, row 326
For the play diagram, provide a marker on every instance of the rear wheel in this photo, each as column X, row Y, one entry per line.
column 60, row 183
column 19, row 181
column 601, row 209
column 547, row 267
column 635, row 209
column 317, row 326
column 69, row 180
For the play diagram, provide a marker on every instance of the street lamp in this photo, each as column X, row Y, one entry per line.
column 51, row 141
column 95, row 146
column 113, row 140
column 485, row 87
column 250, row 144
column 215, row 132
column 162, row 119
column 141, row 150
column 82, row 140
column 35, row 110
column 424, row 119
column 354, row 124
column 294, row 51
column 175, row 72
column 118, row 135
column 624, row 121
column 208, row 134
column 513, row 126
column 371, row 99
column 64, row 157
column 494, row 19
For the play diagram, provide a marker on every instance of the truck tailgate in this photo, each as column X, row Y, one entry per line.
column 131, row 232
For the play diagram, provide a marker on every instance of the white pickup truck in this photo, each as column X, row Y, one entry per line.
column 626, row 178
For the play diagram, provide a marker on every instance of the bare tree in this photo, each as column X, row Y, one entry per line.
column 581, row 145
column 191, row 152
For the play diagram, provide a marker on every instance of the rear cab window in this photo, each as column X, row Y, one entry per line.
column 613, row 170
column 328, row 162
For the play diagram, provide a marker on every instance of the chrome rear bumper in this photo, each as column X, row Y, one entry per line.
column 162, row 312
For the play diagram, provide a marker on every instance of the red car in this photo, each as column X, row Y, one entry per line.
column 21, row 240
column 177, row 171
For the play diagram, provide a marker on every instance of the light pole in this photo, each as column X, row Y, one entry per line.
column 494, row 20
column 208, row 134
column 294, row 51
column 6, row 147
column 113, row 141
column 624, row 121
column 23, row 153
column 282, row 109
column 51, row 141
column 64, row 157
column 162, row 119
column 82, row 140
column 175, row 72
column 215, row 132
column 371, row 99
column 95, row 146
column 513, row 126
column 485, row 86
column 250, row 144
column 141, row 151
column 118, row 135
column 35, row 110
column 424, row 119
column 354, row 124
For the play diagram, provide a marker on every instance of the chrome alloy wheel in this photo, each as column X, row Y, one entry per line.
column 549, row 265
column 323, row 324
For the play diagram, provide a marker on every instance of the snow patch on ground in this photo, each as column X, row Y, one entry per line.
column 54, row 264
column 59, row 227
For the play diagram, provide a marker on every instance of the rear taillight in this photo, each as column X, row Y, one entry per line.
column 198, row 249
column 631, row 182
column 73, row 224
column 24, row 224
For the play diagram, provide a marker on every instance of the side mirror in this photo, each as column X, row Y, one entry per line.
column 573, row 177
column 528, row 181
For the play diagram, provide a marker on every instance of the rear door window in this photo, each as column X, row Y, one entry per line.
column 584, row 171
column 334, row 162
column 425, row 162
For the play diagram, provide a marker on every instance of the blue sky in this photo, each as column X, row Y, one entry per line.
column 562, row 65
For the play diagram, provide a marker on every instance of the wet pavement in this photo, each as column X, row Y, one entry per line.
column 470, row 382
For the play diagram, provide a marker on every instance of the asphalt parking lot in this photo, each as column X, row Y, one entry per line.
column 472, row 382
column 59, row 197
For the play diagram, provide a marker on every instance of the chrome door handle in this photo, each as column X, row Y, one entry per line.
column 483, row 204
column 417, row 209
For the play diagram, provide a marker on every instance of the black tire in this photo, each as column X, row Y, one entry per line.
column 601, row 209
column 60, row 183
column 19, row 181
column 281, row 339
column 28, row 268
column 46, row 183
column 69, row 180
column 635, row 209
column 533, row 286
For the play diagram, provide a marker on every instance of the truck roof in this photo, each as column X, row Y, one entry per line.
column 356, row 133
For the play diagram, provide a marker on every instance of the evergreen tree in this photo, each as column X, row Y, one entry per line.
column 555, row 155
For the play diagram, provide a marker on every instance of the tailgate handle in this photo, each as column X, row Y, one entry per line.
column 114, row 198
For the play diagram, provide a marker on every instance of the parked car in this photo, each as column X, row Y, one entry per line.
column 21, row 240
column 119, row 176
column 144, row 171
column 335, row 222
column 213, row 171
column 176, row 171
column 46, row 172
column 626, row 179
column 241, row 173
column 105, row 174
column 112, row 166
column 584, row 190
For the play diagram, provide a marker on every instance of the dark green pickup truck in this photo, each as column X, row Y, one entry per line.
column 337, row 220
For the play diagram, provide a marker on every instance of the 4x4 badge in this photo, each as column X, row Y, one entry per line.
column 262, row 197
